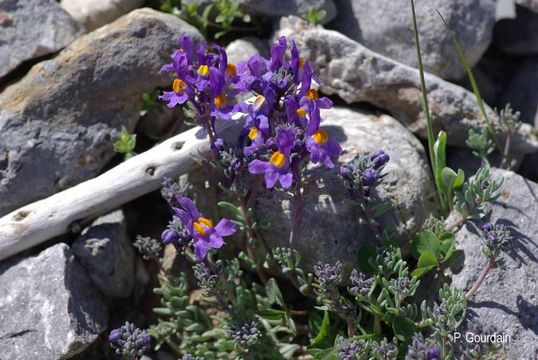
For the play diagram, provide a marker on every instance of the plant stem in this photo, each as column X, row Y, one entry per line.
column 297, row 211
column 377, row 325
column 369, row 218
column 506, row 152
column 251, row 250
column 490, row 265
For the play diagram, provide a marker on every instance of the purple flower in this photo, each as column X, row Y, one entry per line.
column 318, row 144
column 204, row 234
column 379, row 158
column 433, row 353
column 129, row 341
column 277, row 169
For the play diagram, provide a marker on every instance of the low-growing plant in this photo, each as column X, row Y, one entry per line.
column 202, row 16
column 125, row 144
column 237, row 298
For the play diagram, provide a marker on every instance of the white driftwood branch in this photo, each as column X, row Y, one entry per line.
column 66, row 211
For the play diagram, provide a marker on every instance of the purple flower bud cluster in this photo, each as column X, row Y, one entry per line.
column 189, row 225
column 363, row 172
column 385, row 350
column 352, row 350
column 496, row 236
column 149, row 248
column 362, row 284
column 421, row 350
column 129, row 341
column 245, row 334
column 328, row 277
column 207, row 277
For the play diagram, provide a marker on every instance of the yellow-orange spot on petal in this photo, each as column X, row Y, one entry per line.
column 259, row 102
column 301, row 112
column 301, row 63
column 278, row 159
column 253, row 133
column 198, row 225
column 231, row 70
column 178, row 86
column 203, row 70
column 320, row 136
column 205, row 221
column 220, row 101
column 312, row 94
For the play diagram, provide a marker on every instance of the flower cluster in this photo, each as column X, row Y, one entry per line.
column 363, row 172
column 496, row 236
column 129, row 341
column 422, row 350
column 328, row 276
column 282, row 123
column 189, row 223
column 362, row 284
column 352, row 350
column 204, row 80
column 148, row 247
column 245, row 334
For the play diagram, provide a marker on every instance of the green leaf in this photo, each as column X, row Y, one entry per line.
column 403, row 328
column 231, row 209
column 325, row 337
column 425, row 241
column 426, row 262
column 381, row 208
column 273, row 292
column 272, row 314
column 439, row 150
column 364, row 255
column 448, row 243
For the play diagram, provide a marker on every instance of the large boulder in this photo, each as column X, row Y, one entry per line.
column 244, row 48
column 330, row 229
column 277, row 8
column 96, row 13
column 48, row 306
column 23, row 38
column 529, row 4
column 357, row 74
column 518, row 36
column 59, row 123
column 106, row 252
column 506, row 303
column 386, row 27
column 521, row 91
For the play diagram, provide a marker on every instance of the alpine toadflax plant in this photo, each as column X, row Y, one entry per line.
column 129, row 342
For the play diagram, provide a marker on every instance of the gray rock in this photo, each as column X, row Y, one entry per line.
column 242, row 49
column 357, row 74
column 507, row 301
column 23, row 38
column 330, row 229
column 48, row 306
column 521, row 92
column 96, row 13
column 106, row 252
column 529, row 4
column 277, row 8
column 59, row 123
column 518, row 36
column 385, row 26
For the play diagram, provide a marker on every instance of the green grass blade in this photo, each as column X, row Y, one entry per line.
column 425, row 105
column 472, row 80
